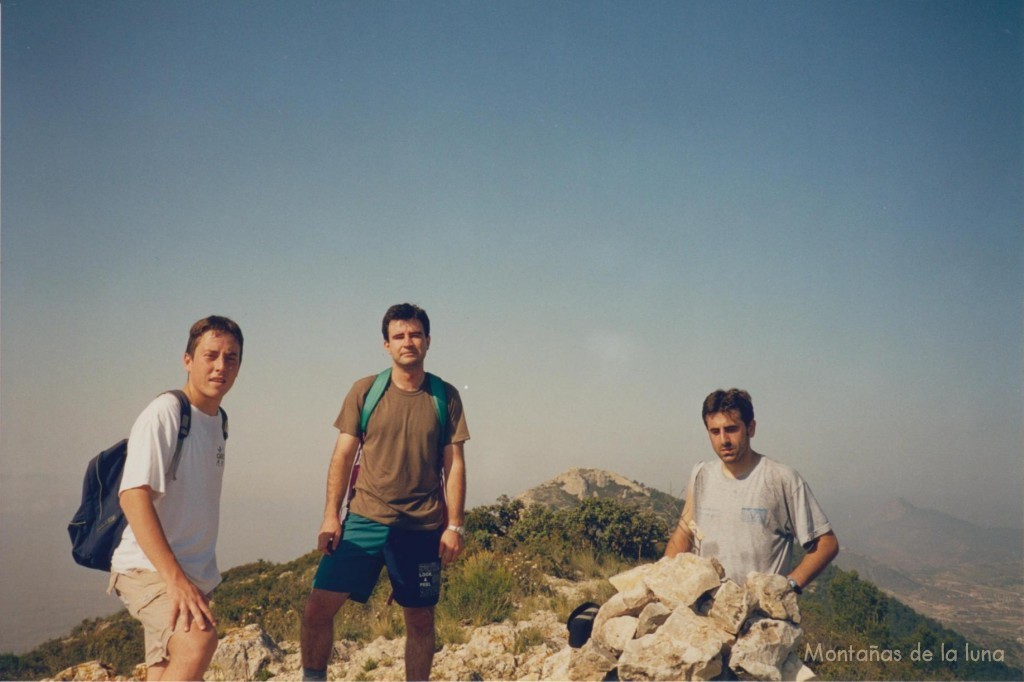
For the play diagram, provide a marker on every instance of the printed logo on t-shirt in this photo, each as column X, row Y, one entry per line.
column 220, row 455
column 755, row 515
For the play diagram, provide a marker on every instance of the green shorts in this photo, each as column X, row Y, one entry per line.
column 411, row 556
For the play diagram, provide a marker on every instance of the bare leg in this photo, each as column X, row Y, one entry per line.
column 189, row 655
column 419, row 642
column 318, row 627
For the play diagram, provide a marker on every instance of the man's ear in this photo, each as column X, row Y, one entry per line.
column 751, row 428
column 187, row 361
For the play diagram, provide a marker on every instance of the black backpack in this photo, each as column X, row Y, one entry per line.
column 98, row 524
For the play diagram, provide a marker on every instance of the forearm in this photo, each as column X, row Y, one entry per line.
column 681, row 539
column 680, row 542
column 817, row 558
column 339, row 473
column 455, row 485
column 137, row 504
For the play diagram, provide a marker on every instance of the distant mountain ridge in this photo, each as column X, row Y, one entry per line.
column 575, row 485
column 942, row 566
column 912, row 538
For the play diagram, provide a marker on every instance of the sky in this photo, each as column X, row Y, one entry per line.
column 608, row 209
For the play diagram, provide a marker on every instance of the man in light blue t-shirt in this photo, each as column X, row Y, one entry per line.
column 746, row 510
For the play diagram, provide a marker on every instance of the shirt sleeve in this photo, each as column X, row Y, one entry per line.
column 808, row 518
column 151, row 445
column 348, row 418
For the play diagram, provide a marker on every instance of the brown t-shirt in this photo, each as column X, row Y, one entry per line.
column 399, row 479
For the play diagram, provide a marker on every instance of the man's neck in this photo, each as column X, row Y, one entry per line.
column 206, row 405
column 407, row 378
column 743, row 467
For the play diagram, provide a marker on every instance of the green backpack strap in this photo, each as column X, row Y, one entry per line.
column 372, row 398
column 435, row 386
column 440, row 396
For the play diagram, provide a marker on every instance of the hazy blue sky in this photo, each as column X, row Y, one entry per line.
column 608, row 210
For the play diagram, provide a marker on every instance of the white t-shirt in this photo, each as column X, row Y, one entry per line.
column 750, row 524
column 189, row 506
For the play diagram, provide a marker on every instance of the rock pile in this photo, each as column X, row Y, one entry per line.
column 679, row 619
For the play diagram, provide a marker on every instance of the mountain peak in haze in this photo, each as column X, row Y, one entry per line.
column 571, row 487
column 896, row 509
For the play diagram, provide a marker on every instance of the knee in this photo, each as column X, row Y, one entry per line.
column 208, row 642
column 321, row 608
column 419, row 621
column 194, row 648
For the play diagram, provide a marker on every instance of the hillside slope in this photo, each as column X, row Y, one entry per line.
column 844, row 611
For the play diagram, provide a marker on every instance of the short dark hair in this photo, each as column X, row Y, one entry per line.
column 213, row 323
column 405, row 311
column 727, row 401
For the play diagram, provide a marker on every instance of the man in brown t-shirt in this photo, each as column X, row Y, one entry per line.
column 398, row 514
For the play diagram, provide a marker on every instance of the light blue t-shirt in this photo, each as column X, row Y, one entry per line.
column 749, row 524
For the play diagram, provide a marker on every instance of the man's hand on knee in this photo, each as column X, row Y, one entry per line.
column 188, row 605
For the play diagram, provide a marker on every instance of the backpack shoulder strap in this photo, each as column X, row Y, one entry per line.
column 223, row 422
column 440, row 396
column 372, row 398
column 184, row 427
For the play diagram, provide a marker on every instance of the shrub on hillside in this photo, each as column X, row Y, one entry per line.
column 610, row 526
column 487, row 525
column 479, row 590
column 601, row 527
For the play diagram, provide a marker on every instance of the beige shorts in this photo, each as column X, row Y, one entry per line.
column 145, row 595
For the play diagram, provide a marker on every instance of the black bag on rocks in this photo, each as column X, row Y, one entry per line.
column 581, row 623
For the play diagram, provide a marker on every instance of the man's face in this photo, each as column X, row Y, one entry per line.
column 213, row 366
column 730, row 437
column 407, row 344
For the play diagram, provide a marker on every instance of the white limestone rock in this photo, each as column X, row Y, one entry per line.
column 761, row 652
column 629, row 603
column 682, row 580
column 686, row 647
column 590, row 662
column 731, row 607
column 651, row 618
column 771, row 594
column 91, row 670
column 242, row 653
column 615, row 633
column 556, row 667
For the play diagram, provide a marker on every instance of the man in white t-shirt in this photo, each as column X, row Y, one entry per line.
column 165, row 567
column 747, row 510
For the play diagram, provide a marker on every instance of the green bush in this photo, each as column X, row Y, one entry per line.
column 486, row 526
column 479, row 590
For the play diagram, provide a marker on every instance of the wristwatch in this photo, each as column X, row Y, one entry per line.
column 461, row 530
column 793, row 585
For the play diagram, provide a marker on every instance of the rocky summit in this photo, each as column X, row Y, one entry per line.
column 676, row 619
column 679, row 619
column 571, row 487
